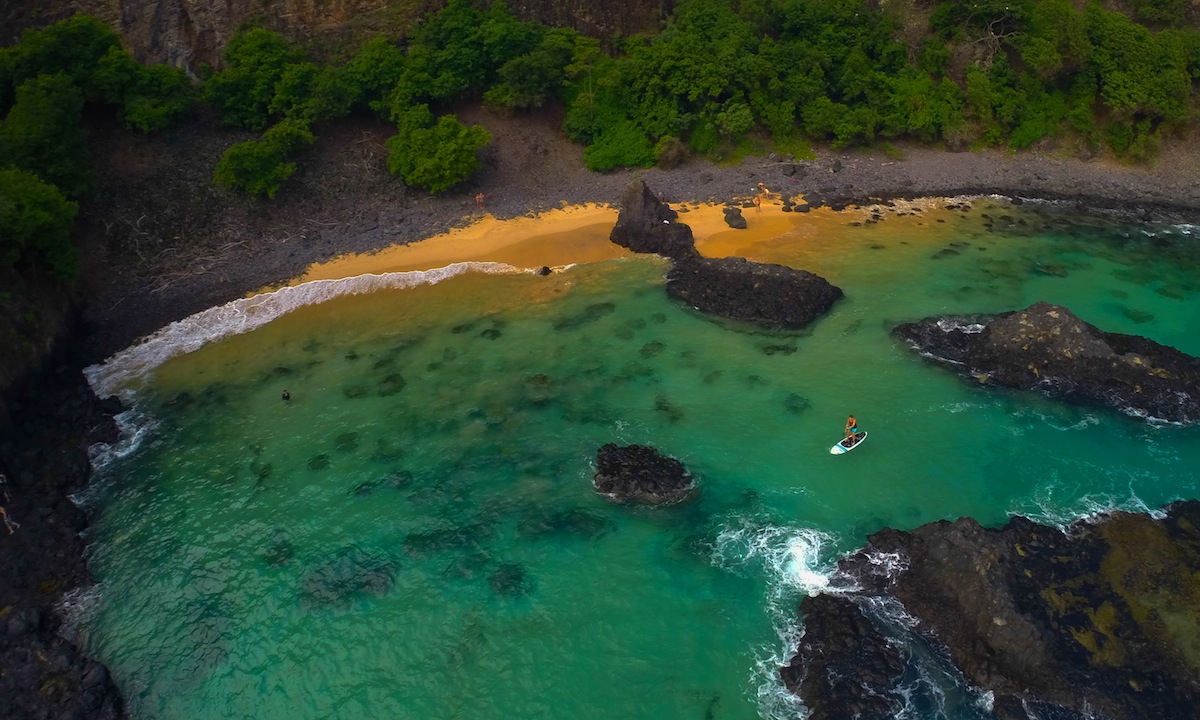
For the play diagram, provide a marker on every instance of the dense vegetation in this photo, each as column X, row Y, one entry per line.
column 46, row 82
column 982, row 72
column 719, row 75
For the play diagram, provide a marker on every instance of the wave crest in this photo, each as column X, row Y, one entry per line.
column 246, row 314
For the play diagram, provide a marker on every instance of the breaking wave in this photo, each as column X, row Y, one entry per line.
column 246, row 314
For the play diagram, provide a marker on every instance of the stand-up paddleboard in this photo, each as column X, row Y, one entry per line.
column 845, row 446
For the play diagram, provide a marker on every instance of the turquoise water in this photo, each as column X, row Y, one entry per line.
column 415, row 535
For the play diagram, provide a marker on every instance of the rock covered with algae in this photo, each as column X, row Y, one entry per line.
column 1046, row 347
column 1102, row 620
column 637, row 474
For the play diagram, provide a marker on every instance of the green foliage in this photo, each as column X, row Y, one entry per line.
column 621, row 145
column 42, row 133
column 1171, row 12
column 255, row 62
column 371, row 74
column 35, row 223
column 434, row 155
column 147, row 98
column 73, row 47
column 259, row 167
column 1140, row 74
column 670, row 152
column 529, row 80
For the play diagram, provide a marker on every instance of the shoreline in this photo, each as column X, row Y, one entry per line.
column 330, row 211
column 211, row 248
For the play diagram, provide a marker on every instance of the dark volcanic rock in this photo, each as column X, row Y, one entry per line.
column 844, row 668
column 1099, row 621
column 734, row 219
column 769, row 295
column 646, row 225
column 640, row 474
column 1047, row 348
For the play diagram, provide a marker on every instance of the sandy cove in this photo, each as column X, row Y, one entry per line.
column 162, row 243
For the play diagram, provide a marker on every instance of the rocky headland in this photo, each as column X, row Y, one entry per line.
column 1099, row 620
column 1047, row 348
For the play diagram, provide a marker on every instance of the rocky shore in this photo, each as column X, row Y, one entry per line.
column 161, row 243
column 43, row 674
column 1096, row 621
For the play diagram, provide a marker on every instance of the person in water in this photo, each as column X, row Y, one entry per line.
column 286, row 396
column 851, row 431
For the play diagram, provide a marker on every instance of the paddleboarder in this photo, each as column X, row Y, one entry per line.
column 851, row 430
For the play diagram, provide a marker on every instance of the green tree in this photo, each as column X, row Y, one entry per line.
column 254, row 63
column 42, row 133
column 73, row 47
column 35, row 223
column 147, row 98
column 434, row 155
column 259, row 167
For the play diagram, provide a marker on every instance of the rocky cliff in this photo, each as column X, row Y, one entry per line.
column 191, row 33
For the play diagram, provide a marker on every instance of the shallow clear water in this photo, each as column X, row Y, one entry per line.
column 415, row 533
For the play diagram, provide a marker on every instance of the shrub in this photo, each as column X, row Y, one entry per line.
column 35, row 223
column 255, row 61
column 259, row 167
column 434, row 155
column 670, row 152
column 42, row 133
column 622, row 145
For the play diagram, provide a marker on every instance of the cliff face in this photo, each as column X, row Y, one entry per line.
column 36, row 318
column 188, row 33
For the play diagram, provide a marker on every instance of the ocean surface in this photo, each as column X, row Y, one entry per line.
column 414, row 534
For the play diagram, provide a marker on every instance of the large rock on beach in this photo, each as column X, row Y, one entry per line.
column 734, row 219
column 1047, row 348
column 765, row 294
column 637, row 474
column 1097, row 621
column 647, row 225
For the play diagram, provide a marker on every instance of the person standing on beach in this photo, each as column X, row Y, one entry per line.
column 479, row 201
column 758, row 203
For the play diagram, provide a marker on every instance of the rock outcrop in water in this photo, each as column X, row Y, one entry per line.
column 839, row 642
column 774, row 296
column 647, row 225
column 637, row 474
column 1045, row 347
column 1100, row 621
column 761, row 293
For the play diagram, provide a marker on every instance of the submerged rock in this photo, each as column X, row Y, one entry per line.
column 646, row 225
column 765, row 294
column 347, row 574
column 640, row 474
column 1099, row 621
column 1045, row 347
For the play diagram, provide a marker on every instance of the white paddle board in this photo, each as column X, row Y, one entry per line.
column 842, row 447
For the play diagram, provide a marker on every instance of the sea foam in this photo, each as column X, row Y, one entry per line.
column 246, row 314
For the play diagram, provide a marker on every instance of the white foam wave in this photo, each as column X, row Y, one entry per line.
column 245, row 314
column 797, row 562
column 77, row 608
column 134, row 426
column 791, row 555
column 1088, row 509
column 960, row 324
